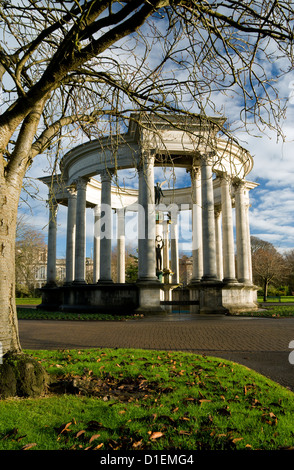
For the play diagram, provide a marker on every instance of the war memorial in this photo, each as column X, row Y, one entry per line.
column 218, row 198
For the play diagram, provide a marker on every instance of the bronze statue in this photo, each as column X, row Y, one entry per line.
column 158, row 193
column 158, row 250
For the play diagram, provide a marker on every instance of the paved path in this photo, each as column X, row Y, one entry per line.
column 259, row 343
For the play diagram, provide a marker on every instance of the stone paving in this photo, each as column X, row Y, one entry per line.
column 259, row 343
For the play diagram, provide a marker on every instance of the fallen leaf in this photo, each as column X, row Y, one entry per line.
column 12, row 433
column 137, row 444
column 237, row 439
column 95, row 436
column 98, row 446
column 29, row 446
column 64, row 428
column 80, row 433
column 156, row 435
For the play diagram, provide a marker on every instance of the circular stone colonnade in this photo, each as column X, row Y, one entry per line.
column 222, row 274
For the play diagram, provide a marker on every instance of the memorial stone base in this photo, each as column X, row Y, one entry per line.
column 221, row 298
column 239, row 297
column 150, row 295
column 115, row 299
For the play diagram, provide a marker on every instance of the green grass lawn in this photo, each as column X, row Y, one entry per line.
column 119, row 399
column 277, row 311
column 282, row 298
column 37, row 314
column 28, row 301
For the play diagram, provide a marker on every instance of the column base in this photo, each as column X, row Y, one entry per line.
column 50, row 284
column 240, row 297
column 223, row 298
column 230, row 280
column 209, row 279
column 78, row 282
column 194, row 281
column 150, row 295
column 245, row 281
column 210, row 298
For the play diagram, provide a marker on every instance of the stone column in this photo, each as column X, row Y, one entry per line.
column 71, row 234
column 80, row 246
column 196, row 225
column 174, row 249
column 146, row 239
column 165, row 263
column 208, row 226
column 218, row 242
column 96, row 255
column 228, row 231
column 121, row 276
column 243, row 244
column 106, row 228
column 249, row 241
column 52, row 232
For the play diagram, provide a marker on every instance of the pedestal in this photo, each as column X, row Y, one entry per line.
column 239, row 297
column 150, row 295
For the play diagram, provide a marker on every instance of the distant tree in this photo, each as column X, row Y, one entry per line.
column 131, row 268
column 289, row 258
column 30, row 248
column 268, row 265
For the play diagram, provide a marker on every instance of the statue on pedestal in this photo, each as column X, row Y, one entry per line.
column 158, row 193
column 158, row 249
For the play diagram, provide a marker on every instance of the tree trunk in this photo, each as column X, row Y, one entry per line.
column 20, row 374
column 265, row 290
column 9, row 197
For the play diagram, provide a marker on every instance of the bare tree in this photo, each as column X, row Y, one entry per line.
column 268, row 265
column 289, row 258
column 81, row 66
column 30, row 248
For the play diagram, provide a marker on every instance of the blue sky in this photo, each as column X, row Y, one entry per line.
column 272, row 202
column 271, row 211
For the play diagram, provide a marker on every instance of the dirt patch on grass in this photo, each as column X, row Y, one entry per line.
column 109, row 388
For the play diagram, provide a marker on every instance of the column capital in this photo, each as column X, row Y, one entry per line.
column 106, row 175
column 81, row 183
column 207, row 158
column 238, row 183
column 53, row 206
column 72, row 190
column 223, row 176
column 217, row 210
column 195, row 172
column 147, row 158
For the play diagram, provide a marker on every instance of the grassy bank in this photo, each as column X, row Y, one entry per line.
column 28, row 301
column 37, row 314
column 112, row 399
column 277, row 311
column 282, row 298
